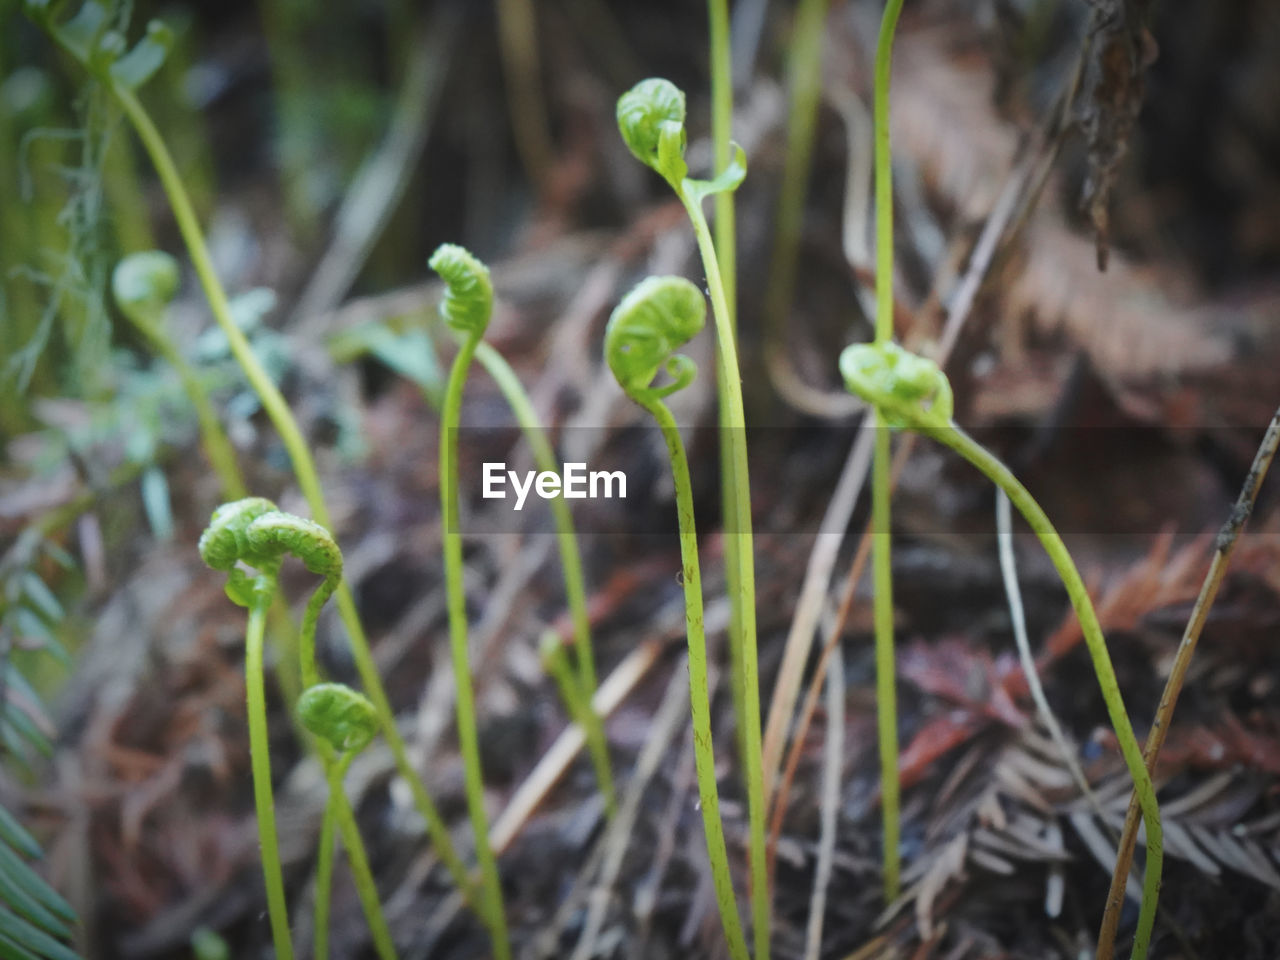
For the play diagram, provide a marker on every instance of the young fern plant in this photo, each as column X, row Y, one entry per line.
column 144, row 284
column 347, row 722
column 103, row 52
column 651, row 119
column 653, row 321
column 466, row 308
column 253, row 532
column 910, row 392
column 223, row 545
column 584, row 679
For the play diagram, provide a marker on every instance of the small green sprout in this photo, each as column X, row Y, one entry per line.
column 651, row 120
column 466, row 308
column 656, row 318
column 87, row 38
column 223, row 545
column 347, row 721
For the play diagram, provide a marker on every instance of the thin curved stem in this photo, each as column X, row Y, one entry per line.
column 324, row 885
column 277, row 409
column 959, row 441
column 699, row 696
column 884, row 173
column 570, row 562
column 214, row 439
column 260, row 757
column 886, row 690
column 366, row 887
column 727, row 256
column 1018, row 619
column 744, row 597
column 468, row 735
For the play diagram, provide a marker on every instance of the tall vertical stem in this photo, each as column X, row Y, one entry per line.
column 744, row 597
column 699, row 696
column 882, row 560
column 468, row 735
column 260, row 759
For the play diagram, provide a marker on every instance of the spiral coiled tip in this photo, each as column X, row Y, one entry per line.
column 276, row 533
column 225, row 541
column 648, row 113
column 336, row 713
column 468, row 299
column 143, row 284
column 909, row 389
column 655, row 319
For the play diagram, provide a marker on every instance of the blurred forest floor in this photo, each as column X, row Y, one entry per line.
column 330, row 154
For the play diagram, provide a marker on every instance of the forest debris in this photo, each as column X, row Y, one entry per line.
column 1120, row 49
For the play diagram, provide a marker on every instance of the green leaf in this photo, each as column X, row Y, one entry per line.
column 13, row 951
column 15, row 834
column 40, row 597
column 37, row 941
column 20, row 900
column 35, row 884
column 28, row 625
column 155, row 500
column 27, row 728
column 728, row 180
column 409, row 353
column 81, row 33
column 147, row 56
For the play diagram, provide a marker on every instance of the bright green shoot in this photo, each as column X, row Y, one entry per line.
column 223, row 544
column 881, row 556
column 88, row 39
column 347, row 723
column 651, row 120
column 466, row 308
column 911, row 392
column 653, row 321
column 571, row 564
column 144, row 284
column 726, row 247
column 254, row 533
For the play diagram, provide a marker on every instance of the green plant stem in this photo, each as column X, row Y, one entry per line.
column 324, row 884
column 260, row 756
column 277, row 409
column 884, row 174
column 882, row 558
column 1020, row 497
column 726, row 254
column 468, row 736
column 570, row 562
column 699, row 697
column 366, row 888
column 804, row 67
column 217, row 446
column 744, row 597
column 886, row 692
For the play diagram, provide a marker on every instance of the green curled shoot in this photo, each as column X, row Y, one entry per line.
column 468, row 299
column 225, row 542
column 651, row 121
column 343, row 717
column 143, row 285
column 911, row 390
column 655, row 319
column 276, row 533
